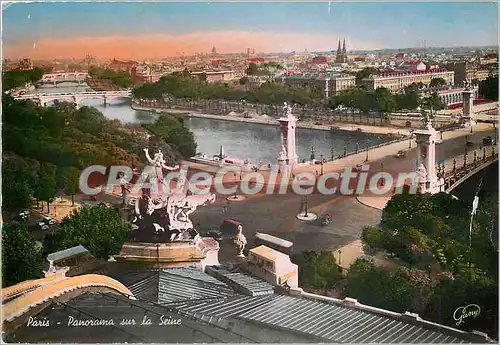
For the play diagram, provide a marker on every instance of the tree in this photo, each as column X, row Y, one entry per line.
column 47, row 186
column 373, row 286
column 243, row 80
column 318, row 270
column 21, row 259
column 385, row 100
column 174, row 132
column 488, row 88
column 437, row 82
column 98, row 228
column 16, row 185
column 432, row 101
column 71, row 182
column 372, row 236
column 364, row 73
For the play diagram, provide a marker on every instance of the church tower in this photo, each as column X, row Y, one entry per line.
column 341, row 53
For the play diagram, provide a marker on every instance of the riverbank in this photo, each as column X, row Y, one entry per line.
column 267, row 120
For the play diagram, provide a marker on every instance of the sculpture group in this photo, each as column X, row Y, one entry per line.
column 165, row 213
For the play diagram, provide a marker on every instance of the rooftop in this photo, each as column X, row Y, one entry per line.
column 219, row 306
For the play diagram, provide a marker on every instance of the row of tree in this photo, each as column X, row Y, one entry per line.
column 383, row 101
column 182, row 86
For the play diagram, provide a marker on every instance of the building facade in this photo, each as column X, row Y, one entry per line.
column 396, row 81
column 328, row 83
column 448, row 95
column 341, row 56
column 216, row 76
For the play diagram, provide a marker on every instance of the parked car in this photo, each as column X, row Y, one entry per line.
column 46, row 223
column 23, row 216
column 487, row 141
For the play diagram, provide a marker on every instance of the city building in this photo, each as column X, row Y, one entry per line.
column 216, row 76
column 467, row 72
column 121, row 66
column 396, row 81
column 410, row 65
column 449, row 95
column 341, row 54
column 21, row 65
column 327, row 82
column 319, row 62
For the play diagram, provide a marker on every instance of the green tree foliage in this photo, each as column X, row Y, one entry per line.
column 71, row 182
column 179, row 86
column 21, row 259
column 373, row 286
column 98, row 228
column 120, row 78
column 46, row 188
column 437, row 82
column 16, row 78
column 432, row 101
column 243, row 80
column 372, row 236
column 409, row 100
column 489, row 88
column 173, row 131
column 17, row 183
column 318, row 270
column 364, row 73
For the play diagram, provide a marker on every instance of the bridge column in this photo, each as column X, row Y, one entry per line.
column 468, row 105
column 426, row 158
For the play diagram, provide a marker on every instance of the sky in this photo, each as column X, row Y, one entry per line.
column 155, row 30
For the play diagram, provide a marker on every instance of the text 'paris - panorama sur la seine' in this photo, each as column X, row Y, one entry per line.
column 74, row 322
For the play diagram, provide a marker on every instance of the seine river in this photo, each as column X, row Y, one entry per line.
column 258, row 142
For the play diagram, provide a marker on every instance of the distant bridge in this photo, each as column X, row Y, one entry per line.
column 76, row 97
column 56, row 78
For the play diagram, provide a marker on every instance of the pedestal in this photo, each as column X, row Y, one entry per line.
column 200, row 252
column 309, row 217
column 426, row 156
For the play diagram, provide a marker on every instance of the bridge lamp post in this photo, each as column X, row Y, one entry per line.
column 367, row 146
column 321, row 155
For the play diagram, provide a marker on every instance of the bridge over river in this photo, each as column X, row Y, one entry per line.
column 76, row 97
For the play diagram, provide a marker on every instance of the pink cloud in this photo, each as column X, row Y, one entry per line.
column 158, row 46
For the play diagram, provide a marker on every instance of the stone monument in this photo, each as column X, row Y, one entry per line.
column 426, row 157
column 162, row 232
column 240, row 242
column 468, row 103
column 288, row 153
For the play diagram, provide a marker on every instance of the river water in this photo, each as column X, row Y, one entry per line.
column 258, row 142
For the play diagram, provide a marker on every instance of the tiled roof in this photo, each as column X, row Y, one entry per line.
column 335, row 323
column 226, row 305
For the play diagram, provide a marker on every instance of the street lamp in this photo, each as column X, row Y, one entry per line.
column 333, row 154
column 340, row 252
column 321, row 155
column 357, row 147
column 367, row 145
column 305, row 204
column 495, row 137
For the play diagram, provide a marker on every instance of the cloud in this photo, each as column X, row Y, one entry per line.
column 159, row 46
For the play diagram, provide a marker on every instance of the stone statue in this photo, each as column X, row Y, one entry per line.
column 287, row 109
column 168, row 214
column 426, row 120
column 467, row 86
column 159, row 164
column 240, row 241
column 422, row 177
